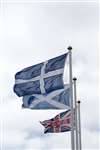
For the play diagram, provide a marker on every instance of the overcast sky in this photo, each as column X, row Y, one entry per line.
column 34, row 32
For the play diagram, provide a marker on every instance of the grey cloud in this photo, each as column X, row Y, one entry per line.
column 37, row 32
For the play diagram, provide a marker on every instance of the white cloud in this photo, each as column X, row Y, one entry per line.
column 25, row 127
column 13, row 139
column 33, row 33
column 91, row 140
column 56, row 141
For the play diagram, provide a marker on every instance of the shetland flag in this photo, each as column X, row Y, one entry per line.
column 42, row 86
column 41, row 78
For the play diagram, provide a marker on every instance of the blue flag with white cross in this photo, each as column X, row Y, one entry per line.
column 58, row 99
column 42, row 81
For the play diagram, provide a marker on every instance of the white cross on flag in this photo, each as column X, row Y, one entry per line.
column 41, row 85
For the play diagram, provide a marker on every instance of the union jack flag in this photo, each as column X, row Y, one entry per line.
column 60, row 123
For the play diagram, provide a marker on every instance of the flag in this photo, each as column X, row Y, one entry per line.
column 58, row 99
column 42, row 78
column 60, row 123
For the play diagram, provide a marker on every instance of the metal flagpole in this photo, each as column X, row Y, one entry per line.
column 75, row 101
column 80, row 144
column 71, row 97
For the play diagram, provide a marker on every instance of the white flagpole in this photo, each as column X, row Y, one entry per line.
column 71, row 98
column 76, row 123
column 79, row 118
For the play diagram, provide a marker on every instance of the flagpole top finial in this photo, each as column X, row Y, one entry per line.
column 78, row 102
column 74, row 79
column 69, row 48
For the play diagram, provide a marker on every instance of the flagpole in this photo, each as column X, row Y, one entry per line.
column 76, row 123
column 71, row 98
column 79, row 116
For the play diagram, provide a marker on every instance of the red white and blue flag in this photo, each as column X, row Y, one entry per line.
column 60, row 123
